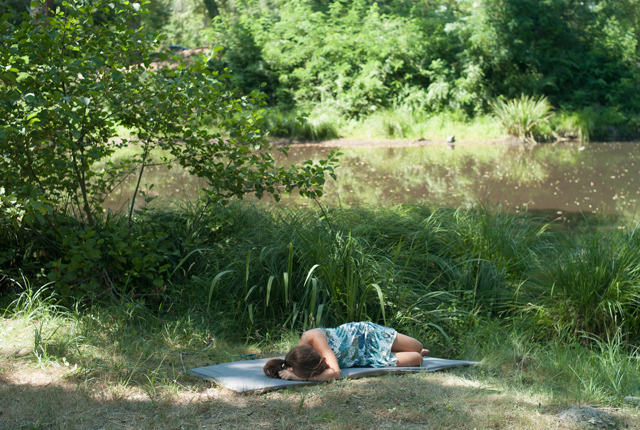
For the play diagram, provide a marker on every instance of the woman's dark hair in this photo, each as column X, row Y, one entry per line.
column 305, row 362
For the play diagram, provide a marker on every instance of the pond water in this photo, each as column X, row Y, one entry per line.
column 557, row 178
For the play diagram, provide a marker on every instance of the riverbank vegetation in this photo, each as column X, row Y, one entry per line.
column 357, row 59
column 345, row 64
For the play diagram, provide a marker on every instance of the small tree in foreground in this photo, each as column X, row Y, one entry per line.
column 67, row 82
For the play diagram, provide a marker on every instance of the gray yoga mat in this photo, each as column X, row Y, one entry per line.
column 247, row 375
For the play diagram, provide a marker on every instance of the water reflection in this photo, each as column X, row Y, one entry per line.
column 166, row 185
column 593, row 178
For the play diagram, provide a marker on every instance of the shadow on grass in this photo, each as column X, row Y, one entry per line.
column 36, row 399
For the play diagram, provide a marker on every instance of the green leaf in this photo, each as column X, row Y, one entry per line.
column 7, row 76
column 22, row 76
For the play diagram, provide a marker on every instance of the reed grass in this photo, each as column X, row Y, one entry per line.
column 323, row 123
column 407, row 123
column 523, row 117
column 596, row 289
column 292, row 125
column 547, row 308
column 575, row 124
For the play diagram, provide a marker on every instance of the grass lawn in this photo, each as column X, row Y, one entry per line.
column 67, row 374
column 549, row 309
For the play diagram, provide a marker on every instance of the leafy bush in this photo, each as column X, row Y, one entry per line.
column 61, row 116
column 69, row 81
column 350, row 55
column 580, row 125
column 593, row 122
column 434, row 57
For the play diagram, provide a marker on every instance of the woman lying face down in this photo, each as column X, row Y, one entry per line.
column 321, row 352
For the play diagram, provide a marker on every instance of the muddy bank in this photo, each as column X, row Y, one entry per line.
column 347, row 142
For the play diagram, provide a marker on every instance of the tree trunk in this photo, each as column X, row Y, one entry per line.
column 212, row 8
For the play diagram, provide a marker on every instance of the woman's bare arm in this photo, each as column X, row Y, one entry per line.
column 317, row 339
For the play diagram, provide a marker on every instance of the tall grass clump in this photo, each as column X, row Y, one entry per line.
column 523, row 117
column 32, row 302
column 404, row 122
column 408, row 265
column 592, row 289
column 52, row 328
column 298, row 127
column 592, row 123
column 487, row 255
column 575, row 124
column 318, row 277
column 296, row 269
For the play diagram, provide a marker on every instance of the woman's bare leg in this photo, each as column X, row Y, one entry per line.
column 408, row 359
column 408, row 350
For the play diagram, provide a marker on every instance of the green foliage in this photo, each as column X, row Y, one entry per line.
column 523, row 117
column 157, row 16
column 242, row 55
column 33, row 303
column 403, row 266
column 296, row 127
column 595, row 291
column 592, row 123
column 61, row 115
column 113, row 259
column 304, row 278
column 18, row 6
column 350, row 55
column 564, row 49
column 359, row 58
column 67, row 84
column 184, row 22
column 579, row 125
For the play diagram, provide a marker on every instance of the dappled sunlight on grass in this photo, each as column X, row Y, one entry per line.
column 470, row 284
column 112, row 378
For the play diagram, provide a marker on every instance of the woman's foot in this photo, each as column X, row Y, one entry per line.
column 424, row 352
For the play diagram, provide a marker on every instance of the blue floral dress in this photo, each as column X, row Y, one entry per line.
column 362, row 344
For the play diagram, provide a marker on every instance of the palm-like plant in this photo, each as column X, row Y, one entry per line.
column 522, row 116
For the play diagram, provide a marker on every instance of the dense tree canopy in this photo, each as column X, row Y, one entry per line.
column 435, row 55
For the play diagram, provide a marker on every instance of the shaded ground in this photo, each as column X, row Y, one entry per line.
column 56, row 397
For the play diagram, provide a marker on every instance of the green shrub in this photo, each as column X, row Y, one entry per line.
column 577, row 125
column 593, row 122
column 592, row 289
column 61, row 115
column 297, row 127
column 522, row 117
column 348, row 54
column 71, row 81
